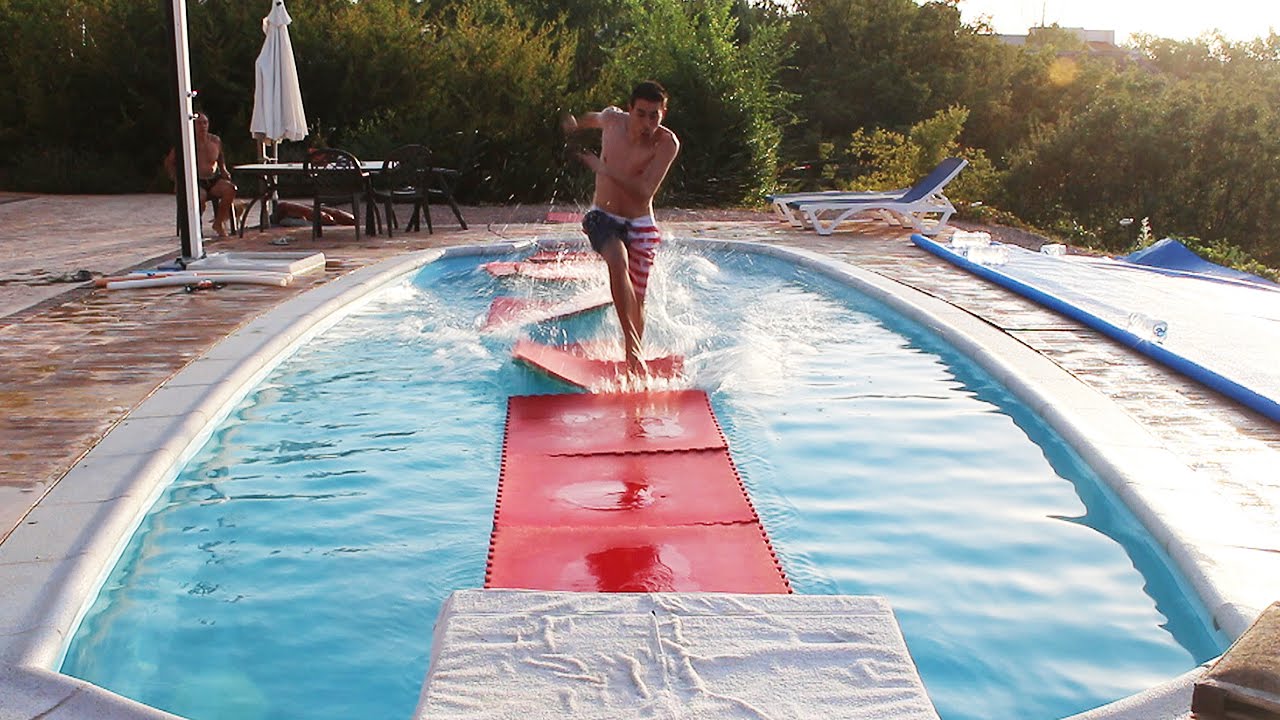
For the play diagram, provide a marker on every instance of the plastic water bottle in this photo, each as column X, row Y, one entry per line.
column 1054, row 249
column 964, row 240
column 1147, row 327
column 989, row 255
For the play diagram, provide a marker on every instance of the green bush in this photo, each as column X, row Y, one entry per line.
column 883, row 159
column 1224, row 253
column 726, row 106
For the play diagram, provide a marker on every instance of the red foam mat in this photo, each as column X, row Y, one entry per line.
column 585, row 424
column 507, row 310
column 685, row 488
column 564, row 255
column 563, row 217
column 550, row 271
column 718, row 558
column 575, row 365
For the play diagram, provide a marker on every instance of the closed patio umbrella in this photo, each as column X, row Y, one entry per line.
column 277, row 97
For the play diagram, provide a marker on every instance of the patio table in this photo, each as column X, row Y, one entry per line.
column 269, row 174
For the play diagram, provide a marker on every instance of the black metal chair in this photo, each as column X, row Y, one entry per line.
column 405, row 178
column 336, row 177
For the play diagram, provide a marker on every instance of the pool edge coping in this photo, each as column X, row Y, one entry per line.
column 1123, row 453
column 78, row 523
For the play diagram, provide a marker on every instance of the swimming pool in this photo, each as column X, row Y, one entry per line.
column 881, row 461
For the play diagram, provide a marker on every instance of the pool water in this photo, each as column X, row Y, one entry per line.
column 295, row 567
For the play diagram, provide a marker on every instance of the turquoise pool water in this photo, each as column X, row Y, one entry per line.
column 295, row 567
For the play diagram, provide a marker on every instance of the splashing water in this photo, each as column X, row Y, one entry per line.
column 313, row 541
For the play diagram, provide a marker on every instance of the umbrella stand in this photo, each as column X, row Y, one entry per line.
column 268, row 152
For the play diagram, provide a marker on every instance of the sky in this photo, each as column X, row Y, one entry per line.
column 1176, row 19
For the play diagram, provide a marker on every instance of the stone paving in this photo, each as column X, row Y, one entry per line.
column 74, row 360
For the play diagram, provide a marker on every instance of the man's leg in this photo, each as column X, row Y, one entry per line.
column 204, row 201
column 624, row 301
column 643, row 240
column 226, row 194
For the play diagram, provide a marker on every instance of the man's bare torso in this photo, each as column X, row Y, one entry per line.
column 629, row 158
column 208, row 150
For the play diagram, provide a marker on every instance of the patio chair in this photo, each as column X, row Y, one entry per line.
column 406, row 178
column 220, row 170
column 914, row 206
column 232, row 220
column 336, row 177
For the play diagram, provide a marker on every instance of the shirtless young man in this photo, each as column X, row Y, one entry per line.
column 212, row 175
column 635, row 153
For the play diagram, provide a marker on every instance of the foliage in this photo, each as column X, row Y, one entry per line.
column 499, row 87
column 1195, row 155
column 885, row 159
column 803, row 94
column 725, row 102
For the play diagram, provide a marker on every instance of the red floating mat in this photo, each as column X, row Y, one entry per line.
column 551, row 271
column 551, row 255
column 564, row 217
column 579, row 365
column 504, row 311
column 501, row 268
column 686, row 488
column 585, row 424
column 710, row 558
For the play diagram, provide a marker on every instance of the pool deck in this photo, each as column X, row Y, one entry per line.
column 74, row 361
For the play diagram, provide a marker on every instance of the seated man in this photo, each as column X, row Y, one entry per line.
column 212, row 175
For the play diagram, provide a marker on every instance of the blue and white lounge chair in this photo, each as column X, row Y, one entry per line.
column 922, row 206
column 782, row 201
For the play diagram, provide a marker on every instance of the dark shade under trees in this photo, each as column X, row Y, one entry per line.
column 812, row 94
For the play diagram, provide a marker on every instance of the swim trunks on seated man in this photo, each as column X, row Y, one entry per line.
column 636, row 151
column 212, row 176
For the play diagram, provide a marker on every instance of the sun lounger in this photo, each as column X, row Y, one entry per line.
column 782, row 202
column 922, row 206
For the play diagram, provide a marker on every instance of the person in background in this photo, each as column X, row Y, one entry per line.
column 636, row 151
column 212, row 175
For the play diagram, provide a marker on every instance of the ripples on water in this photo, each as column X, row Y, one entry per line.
column 296, row 566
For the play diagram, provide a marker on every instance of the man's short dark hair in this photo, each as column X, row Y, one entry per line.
column 650, row 90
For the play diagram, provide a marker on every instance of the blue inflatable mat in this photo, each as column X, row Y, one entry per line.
column 1224, row 335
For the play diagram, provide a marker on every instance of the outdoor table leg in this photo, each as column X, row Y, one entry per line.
column 267, row 188
column 448, row 196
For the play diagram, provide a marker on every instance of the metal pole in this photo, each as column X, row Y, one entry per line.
column 188, row 195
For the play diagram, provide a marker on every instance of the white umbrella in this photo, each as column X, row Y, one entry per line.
column 277, row 97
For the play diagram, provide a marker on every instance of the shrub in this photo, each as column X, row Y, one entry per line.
column 885, row 159
column 726, row 106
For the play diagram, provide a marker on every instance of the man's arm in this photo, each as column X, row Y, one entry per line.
column 220, row 168
column 587, row 121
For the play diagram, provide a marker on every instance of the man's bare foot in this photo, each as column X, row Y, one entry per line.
column 220, row 230
column 636, row 368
